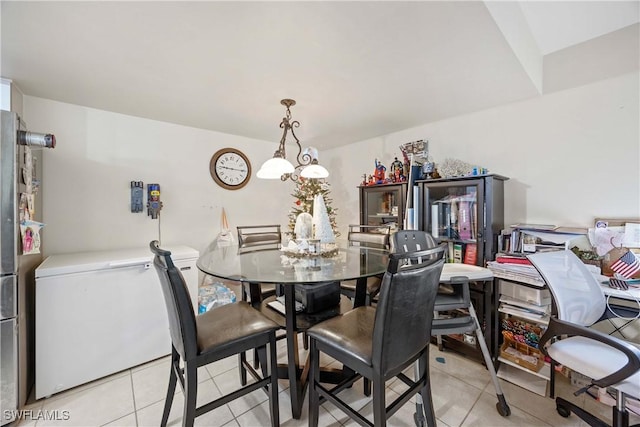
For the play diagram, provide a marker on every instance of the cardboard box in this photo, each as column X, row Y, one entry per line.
column 522, row 354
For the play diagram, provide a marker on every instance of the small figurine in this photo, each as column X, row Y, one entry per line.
column 303, row 228
column 364, row 179
column 397, row 170
column 379, row 173
column 371, row 181
column 427, row 170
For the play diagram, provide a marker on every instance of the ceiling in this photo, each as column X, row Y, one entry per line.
column 356, row 69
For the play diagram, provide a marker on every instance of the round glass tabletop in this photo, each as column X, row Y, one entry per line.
column 269, row 264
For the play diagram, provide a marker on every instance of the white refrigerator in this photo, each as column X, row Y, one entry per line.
column 98, row 313
column 20, row 203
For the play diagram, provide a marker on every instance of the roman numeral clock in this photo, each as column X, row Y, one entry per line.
column 230, row 168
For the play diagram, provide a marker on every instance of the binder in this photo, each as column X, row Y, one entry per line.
column 435, row 232
column 457, row 253
column 464, row 221
column 471, row 254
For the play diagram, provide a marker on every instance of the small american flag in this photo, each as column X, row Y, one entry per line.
column 627, row 265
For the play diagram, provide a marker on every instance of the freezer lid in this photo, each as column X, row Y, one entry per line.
column 102, row 260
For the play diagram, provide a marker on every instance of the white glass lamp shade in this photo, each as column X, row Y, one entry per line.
column 314, row 171
column 275, row 168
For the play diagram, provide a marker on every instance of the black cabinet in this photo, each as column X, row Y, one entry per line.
column 383, row 205
column 466, row 212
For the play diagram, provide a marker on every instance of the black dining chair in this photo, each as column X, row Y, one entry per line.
column 380, row 343
column 254, row 237
column 372, row 236
column 200, row 340
column 455, row 296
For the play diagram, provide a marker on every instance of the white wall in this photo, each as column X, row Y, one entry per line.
column 571, row 156
column 86, row 180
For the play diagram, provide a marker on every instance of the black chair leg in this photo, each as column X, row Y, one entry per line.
column 314, row 375
column 190, row 392
column 256, row 359
column 261, row 353
column 273, row 392
column 425, row 392
column 242, row 358
column 270, row 369
column 379, row 405
column 585, row 416
column 175, row 359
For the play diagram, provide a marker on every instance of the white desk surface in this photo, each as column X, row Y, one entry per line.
column 632, row 293
column 473, row 272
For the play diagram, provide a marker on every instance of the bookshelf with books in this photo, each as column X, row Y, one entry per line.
column 467, row 213
column 383, row 204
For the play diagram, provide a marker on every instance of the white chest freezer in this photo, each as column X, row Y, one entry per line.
column 98, row 313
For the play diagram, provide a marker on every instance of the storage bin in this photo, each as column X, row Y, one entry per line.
column 318, row 297
column 525, row 293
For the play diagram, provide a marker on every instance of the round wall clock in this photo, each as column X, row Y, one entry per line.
column 230, row 168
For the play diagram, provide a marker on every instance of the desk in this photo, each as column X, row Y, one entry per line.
column 626, row 305
column 270, row 265
column 631, row 294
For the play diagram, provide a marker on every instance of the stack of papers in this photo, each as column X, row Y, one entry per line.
column 518, row 272
column 278, row 305
column 524, row 309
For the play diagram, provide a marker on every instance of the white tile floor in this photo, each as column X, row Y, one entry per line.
column 463, row 396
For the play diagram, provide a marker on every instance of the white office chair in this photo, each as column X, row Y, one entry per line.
column 580, row 302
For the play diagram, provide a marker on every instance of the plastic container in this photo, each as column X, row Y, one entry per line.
column 212, row 295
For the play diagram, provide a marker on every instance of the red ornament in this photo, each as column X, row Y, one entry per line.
column 298, row 202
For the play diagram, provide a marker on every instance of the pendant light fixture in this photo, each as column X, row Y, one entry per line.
column 307, row 160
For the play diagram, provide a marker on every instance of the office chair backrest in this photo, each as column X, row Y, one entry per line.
column 378, row 239
column 255, row 235
column 412, row 240
column 404, row 313
column 182, row 321
column 576, row 292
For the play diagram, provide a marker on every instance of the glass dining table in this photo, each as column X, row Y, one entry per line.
column 270, row 264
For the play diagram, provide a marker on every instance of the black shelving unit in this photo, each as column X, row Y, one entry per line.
column 383, row 204
column 467, row 212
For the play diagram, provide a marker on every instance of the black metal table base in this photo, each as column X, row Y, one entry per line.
column 296, row 373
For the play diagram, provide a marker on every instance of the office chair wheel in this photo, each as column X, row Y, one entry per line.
column 503, row 409
column 563, row 410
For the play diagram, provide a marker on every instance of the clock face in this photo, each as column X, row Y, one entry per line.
column 230, row 168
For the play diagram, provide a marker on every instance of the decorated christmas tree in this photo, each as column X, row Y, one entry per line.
column 306, row 190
